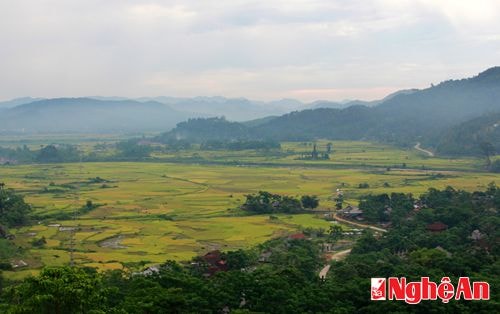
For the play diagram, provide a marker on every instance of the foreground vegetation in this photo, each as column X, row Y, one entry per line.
column 287, row 282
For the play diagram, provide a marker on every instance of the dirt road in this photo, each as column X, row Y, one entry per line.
column 335, row 257
column 429, row 153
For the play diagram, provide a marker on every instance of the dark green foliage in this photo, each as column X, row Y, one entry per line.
column 97, row 180
column 383, row 207
column 240, row 259
column 288, row 282
column 7, row 250
column 133, row 149
column 39, row 242
column 88, row 207
column 474, row 137
column 495, row 166
column 17, row 155
column 13, row 210
column 4, row 266
column 49, row 153
column 335, row 232
column 59, row 290
column 265, row 203
column 309, row 201
column 59, row 153
column 201, row 130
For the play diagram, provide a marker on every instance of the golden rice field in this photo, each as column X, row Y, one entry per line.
column 151, row 212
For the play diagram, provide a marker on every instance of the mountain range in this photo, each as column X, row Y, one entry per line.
column 404, row 118
column 89, row 115
column 432, row 116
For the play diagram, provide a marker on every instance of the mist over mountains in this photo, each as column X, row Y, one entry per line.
column 89, row 115
column 96, row 114
column 402, row 118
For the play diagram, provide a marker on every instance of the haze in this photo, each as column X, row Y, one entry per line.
column 263, row 50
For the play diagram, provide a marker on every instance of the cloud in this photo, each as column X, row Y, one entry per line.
column 259, row 49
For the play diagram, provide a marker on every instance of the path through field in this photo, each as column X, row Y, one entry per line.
column 335, row 257
column 417, row 147
column 359, row 224
column 342, row 254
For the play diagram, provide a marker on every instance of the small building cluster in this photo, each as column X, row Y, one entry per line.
column 352, row 212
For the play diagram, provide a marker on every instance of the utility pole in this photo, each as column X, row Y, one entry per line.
column 75, row 217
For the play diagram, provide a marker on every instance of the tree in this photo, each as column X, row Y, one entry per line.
column 49, row 153
column 265, row 203
column 495, row 166
column 133, row 149
column 314, row 153
column 59, row 290
column 335, row 232
column 309, row 201
column 488, row 150
column 339, row 199
column 13, row 210
column 329, row 148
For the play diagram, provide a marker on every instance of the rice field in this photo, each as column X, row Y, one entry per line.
column 152, row 212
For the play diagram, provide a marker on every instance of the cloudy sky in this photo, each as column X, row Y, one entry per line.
column 304, row 49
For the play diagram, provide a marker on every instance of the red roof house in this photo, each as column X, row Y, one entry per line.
column 436, row 227
column 297, row 236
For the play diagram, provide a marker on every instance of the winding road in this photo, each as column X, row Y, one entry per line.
column 335, row 257
column 342, row 254
column 357, row 224
column 428, row 152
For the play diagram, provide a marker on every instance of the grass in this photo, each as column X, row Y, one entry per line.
column 160, row 211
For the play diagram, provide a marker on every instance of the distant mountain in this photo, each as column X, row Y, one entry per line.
column 371, row 103
column 17, row 102
column 89, row 115
column 234, row 109
column 349, row 123
column 327, row 104
column 402, row 118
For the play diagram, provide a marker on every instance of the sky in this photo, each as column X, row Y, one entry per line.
column 263, row 50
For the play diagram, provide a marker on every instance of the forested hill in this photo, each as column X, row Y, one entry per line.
column 467, row 138
column 199, row 130
column 422, row 115
column 89, row 115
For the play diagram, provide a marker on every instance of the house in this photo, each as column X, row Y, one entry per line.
column 352, row 212
column 214, row 262
column 436, row 227
column 476, row 235
column 297, row 236
column 265, row 257
column 18, row 264
column 152, row 270
column 327, row 247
